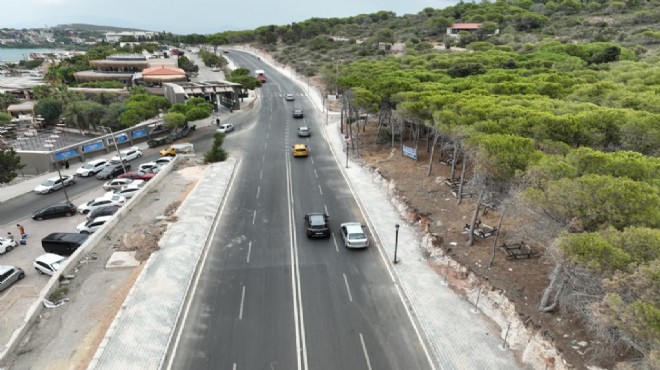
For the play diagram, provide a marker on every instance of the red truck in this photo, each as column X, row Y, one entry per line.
column 261, row 75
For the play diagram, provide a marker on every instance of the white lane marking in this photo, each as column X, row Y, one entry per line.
column 364, row 349
column 195, row 282
column 316, row 174
column 234, row 367
column 258, row 191
column 334, row 239
column 265, row 145
column 301, row 345
column 240, row 313
column 320, row 190
column 263, row 157
column 312, row 159
column 254, row 216
column 348, row 289
column 325, row 207
column 261, row 174
column 249, row 251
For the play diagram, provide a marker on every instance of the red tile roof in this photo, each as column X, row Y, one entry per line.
column 163, row 71
column 466, row 26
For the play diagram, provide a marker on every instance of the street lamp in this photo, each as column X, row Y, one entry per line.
column 112, row 135
column 396, row 242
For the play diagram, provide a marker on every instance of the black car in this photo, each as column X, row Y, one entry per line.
column 298, row 113
column 112, row 171
column 316, row 225
column 103, row 211
column 55, row 210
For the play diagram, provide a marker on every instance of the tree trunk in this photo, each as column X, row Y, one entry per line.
column 462, row 180
column 554, row 281
column 392, row 130
column 454, row 160
column 417, row 143
column 473, row 222
column 497, row 236
column 435, row 142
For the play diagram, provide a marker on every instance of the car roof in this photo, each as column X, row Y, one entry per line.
column 353, row 227
column 299, row 146
column 95, row 161
column 103, row 218
column 316, row 218
column 50, row 258
column 5, row 268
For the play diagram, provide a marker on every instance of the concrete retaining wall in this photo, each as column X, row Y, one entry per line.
column 92, row 242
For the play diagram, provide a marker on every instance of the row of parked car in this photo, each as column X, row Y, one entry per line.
column 121, row 185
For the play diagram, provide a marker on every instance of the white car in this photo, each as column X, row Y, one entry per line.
column 118, row 183
column 127, row 155
column 89, row 227
column 93, row 204
column 150, row 167
column 126, row 191
column 48, row 263
column 354, row 235
column 7, row 245
column 164, row 160
column 91, row 168
column 289, row 97
column 54, row 183
column 224, row 128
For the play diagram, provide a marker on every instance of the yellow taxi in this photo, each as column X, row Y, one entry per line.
column 300, row 150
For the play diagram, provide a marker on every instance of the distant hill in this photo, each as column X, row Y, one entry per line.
column 94, row 28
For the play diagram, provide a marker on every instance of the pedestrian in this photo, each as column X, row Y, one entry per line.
column 66, row 164
column 10, row 236
column 21, row 231
column 217, row 121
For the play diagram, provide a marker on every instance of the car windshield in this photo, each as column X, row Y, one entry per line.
column 48, row 183
column 357, row 236
column 300, row 149
column 56, row 265
column 87, row 166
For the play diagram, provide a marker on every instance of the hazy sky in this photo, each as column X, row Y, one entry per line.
column 194, row 16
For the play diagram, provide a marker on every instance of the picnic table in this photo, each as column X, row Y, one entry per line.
column 481, row 230
column 518, row 251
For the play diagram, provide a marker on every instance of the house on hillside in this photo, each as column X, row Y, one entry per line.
column 468, row 27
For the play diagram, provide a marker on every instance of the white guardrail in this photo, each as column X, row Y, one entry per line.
column 90, row 244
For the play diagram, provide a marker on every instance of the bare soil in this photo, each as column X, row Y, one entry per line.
column 434, row 209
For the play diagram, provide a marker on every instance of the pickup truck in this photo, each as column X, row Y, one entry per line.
column 174, row 135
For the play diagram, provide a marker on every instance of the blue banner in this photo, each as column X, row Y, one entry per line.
column 60, row 156
column 139, row 133
column 410, row 152
column 122, row 138
column 93, row 147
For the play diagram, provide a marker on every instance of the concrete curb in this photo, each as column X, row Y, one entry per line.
column 90, row 244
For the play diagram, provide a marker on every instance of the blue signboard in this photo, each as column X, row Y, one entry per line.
column 122, row 138
column 61, row 156
column 139, row 133
column 92, row 147
column 410, row 152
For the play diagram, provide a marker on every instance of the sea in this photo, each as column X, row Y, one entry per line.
column 11, row 55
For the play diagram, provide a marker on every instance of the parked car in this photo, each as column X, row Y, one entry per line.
column 9, row 275
column 164, row 160
column 113, row 171
column 6, row 245
column 92, row 167
column 54, row 183
column 48, row 263
column 90, row 226
column 152, row 167
column 126, row 191
column 215, row 69
column 100, row 202
column 117, row 183
column 127, row 155
column 289, row 97
column 103, row 211
column 226, row 127
column 138, row 175
column 316, row 225
column 300, row 150
column 353, row 235
column 298, row 113
column 303, row 131
column 63, row 244
column 55, row 210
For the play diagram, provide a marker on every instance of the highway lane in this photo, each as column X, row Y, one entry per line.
column 340, row 308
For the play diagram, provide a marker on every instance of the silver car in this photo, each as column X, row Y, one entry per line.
column 54, row 183
column 354, row 235
column 9, row 275
column 303, row 131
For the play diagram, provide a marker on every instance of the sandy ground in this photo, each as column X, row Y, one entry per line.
column 66, row 337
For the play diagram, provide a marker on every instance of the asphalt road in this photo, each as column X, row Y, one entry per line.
column 21, row 207
column 268, row 297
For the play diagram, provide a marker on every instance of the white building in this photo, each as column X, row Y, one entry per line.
column 115, row 36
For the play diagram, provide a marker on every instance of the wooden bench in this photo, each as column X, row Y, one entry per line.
column 518, row 251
